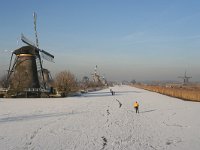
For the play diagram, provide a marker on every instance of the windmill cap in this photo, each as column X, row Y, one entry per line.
column 26, row 50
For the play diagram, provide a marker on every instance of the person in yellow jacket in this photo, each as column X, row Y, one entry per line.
column 136, row 106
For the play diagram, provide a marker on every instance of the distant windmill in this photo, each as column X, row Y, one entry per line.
column 95, row 76
column 98, row 78
column 28, row 61
column 104, row 81
column 185, row 79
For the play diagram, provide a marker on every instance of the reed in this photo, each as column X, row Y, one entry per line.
column 190, row 94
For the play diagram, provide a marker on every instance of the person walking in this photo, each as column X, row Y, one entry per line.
column 136, row 106
column 112, row 92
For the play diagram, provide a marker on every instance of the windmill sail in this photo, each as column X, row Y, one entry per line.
column 47, row 56
column 35, row 28
column 27, row 41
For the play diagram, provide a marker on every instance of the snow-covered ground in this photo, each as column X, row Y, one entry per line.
column 100, row 121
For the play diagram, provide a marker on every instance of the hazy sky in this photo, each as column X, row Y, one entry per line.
column 126, row 39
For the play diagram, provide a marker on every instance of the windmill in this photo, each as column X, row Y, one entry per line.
column 98, row 78
column 95, row 76
column 104, row 81
column 27, row 64
column 185, row 79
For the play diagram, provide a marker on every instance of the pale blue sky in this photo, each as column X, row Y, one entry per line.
column 126, row 39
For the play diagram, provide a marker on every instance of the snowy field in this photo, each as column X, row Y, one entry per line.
column 100, row 121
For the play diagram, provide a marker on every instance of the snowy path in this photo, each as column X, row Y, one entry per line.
column 100, row 121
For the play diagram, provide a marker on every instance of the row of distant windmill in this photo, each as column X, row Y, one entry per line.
column 28, row 59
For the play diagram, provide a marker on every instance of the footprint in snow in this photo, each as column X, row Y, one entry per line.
column 120, row 104
column 104, row 142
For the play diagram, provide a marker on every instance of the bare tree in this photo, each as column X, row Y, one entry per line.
column 65, row 82
column 85, row 80
column 133, row 82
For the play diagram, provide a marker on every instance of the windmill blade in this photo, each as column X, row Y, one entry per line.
column 27, row 41
column 47, row 56
column 35, row 28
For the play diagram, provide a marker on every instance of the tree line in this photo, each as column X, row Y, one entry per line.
column 64, row 82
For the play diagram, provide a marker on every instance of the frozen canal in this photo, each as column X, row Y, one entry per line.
column 100, row 121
